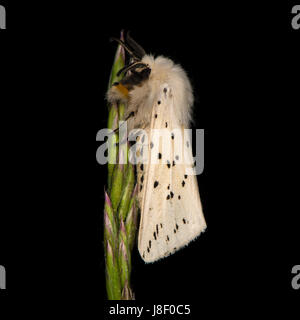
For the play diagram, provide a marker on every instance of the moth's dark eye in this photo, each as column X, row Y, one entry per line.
column 145, row 73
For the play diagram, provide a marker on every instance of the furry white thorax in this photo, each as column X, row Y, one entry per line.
column 141, row 99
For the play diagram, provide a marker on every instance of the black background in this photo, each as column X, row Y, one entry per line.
column 241, row 61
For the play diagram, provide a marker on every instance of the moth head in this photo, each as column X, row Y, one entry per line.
column 136, row 53
column 136, row 72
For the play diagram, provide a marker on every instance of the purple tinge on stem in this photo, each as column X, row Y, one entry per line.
column 122, row 52
column 109, row 249
column 127, row 293
column 135, row 190
column 107, row 200
column 122, row 227
column 132, row 216
column 122, row 250
column 134, row 208
column 107, row 223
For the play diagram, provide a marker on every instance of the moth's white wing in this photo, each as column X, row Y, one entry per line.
column 171, row 211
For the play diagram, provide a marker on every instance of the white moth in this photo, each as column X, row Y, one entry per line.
column 158, row 95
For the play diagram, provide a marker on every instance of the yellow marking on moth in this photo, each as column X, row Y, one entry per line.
column 122, row 89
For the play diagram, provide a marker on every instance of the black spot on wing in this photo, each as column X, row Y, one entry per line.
column 156, row 183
